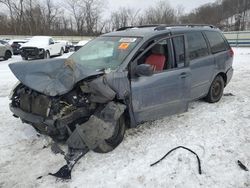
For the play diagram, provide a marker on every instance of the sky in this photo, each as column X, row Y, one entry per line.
column 142, row 4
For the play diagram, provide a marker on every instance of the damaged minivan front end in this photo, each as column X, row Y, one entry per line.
column 85, row 116
column 82, row 100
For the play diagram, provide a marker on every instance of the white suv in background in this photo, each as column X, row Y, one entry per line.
column 5, row 50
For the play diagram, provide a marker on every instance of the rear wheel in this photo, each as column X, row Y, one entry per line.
column 216, row 90
column 111, row 143
column 7, row 55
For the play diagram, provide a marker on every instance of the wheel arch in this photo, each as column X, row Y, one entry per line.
column 224, row 76
column 8, row 51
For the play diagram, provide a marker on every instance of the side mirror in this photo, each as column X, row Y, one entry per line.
column 144, row 70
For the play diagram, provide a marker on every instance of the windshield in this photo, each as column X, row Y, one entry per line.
column 104, row 52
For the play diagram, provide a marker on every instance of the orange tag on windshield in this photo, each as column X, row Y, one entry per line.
column 124, row 46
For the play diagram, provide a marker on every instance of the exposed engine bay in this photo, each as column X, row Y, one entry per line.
column 58, row 116
column 57, row 109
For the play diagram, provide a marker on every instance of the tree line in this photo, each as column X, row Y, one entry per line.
column 86, row 17
column 217, row 14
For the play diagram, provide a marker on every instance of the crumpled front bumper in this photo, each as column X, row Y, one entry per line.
column 97, row 127
column 48, row 124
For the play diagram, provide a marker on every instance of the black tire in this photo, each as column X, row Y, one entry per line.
column 216, row 90
column 66, row 50
column 7, row 55
column 61, row 52
column 46, row 55
column 111, row 143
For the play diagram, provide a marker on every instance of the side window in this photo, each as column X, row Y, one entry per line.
column 216, row 41
column 157, row 56
column 197, row 45
column 179, row 51
column 51, row 41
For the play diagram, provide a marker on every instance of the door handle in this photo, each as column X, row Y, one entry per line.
column 183, row 75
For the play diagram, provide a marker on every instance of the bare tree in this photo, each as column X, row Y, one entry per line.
column 50, row 13
column 124, row 17
column 78, row 11
column 161, row 13
column 93, row 10
column 9, row 5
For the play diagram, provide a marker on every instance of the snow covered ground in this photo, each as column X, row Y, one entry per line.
column 218, row 133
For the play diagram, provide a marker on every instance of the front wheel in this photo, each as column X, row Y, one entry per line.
column 46, row 55
column 216, row 90
column 111, row 143
column 61, row 52
column 7, row 55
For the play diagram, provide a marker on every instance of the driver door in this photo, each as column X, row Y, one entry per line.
column 167, row 91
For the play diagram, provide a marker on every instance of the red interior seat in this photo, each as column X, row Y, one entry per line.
column 157, row 58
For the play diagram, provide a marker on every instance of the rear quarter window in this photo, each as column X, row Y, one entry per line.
column 216, row 41
column 197, row 45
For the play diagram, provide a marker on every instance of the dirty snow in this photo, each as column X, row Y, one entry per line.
column 218, row 133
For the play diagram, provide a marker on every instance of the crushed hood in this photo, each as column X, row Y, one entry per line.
column 51, row 77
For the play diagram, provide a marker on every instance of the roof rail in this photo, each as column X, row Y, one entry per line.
column 124, row 28
column 164, row 26
column 140, row 26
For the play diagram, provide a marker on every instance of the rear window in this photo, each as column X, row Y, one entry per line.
column 216, row 41
column 197, row 45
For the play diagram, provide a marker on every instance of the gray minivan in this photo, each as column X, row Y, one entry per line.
column 120, row 80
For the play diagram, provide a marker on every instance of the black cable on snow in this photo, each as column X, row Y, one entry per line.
column 198, row 159
column 242, row 166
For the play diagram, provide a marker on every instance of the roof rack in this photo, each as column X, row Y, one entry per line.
column 140, row 26
column 163, row 27
column 159, row 27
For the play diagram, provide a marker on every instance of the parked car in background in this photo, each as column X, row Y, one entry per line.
column 80, row 44
column 120, row 80
column 5, row 50
column 4, row 42
column 6, row 39
column 41, row 47
column 16, row 44
column 67, row 45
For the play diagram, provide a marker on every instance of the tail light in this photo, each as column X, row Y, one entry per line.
column 231, row 52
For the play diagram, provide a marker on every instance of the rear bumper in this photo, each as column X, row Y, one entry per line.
column 229, row 74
